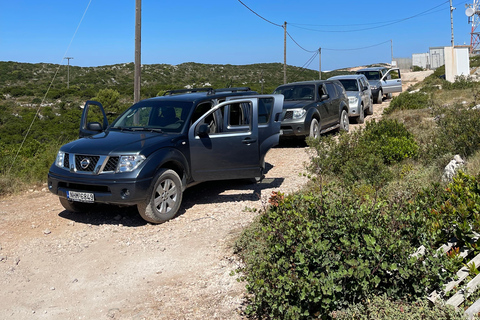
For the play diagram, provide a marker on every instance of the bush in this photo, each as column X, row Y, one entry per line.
column 317, row 253
column 380, row 307
column 408, row 101
column 458, row 131
column 391, row 139
column 363, row 157
column 417, row 68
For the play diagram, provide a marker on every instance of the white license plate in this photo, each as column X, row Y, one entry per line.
column 80, row 196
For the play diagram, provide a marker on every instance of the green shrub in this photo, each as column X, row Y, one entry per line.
column 380, row 307
column 315, row 253
column 408, row 101
column 417, row 68
column 458, row 131
column 391, row 139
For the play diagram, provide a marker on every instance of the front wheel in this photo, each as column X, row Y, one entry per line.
column 164, row 199
column 314, row 129
column 344, row 121
column 361, row 118
column 379, row 97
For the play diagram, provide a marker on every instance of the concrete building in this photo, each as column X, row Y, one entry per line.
column 421, row 60
column 437, row 57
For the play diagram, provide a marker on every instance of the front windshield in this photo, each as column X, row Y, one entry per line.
column 161, row 116
column 296, row 92
column 371, row 75
column 349, row 84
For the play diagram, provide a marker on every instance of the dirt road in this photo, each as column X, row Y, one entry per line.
column 110, row 264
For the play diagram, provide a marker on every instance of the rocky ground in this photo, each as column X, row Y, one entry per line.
column 110, row 264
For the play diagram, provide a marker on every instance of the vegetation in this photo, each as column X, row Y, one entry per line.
column 39, row 112
column 344, row 248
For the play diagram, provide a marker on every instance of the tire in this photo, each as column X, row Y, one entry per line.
column 74, row 206
column 344, row 121
column 361, row 118
column 379, row 97
column 389, row 96
column 314, row 129
column 164, row 198
column 370, row 109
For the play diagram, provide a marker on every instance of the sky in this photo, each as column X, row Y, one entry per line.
column 349, row 33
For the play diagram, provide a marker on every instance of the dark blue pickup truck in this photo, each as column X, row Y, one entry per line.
column 160, row 146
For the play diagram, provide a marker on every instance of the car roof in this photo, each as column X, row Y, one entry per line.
column 373, row 69
column 199, row 96
column 347, row 76
column 306, row 82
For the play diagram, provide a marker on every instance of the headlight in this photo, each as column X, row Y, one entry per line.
column 298, row 113
column 60, row 159
column 352, row 100
column 130, row 163
column 373, row 87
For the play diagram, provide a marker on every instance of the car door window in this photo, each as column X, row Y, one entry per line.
column 265, row 106
column 230, row 118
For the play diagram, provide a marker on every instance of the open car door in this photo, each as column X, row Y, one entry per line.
column 94, row 120
column 392, row 81
column 231, row 139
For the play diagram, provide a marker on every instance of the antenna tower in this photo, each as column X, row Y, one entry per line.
column 473, row 15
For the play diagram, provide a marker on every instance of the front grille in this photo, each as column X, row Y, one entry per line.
column 89, row 162
column 111, row 164
column 288, row 115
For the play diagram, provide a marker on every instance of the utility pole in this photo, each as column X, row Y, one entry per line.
column 138, row 50
column 319, row 63
column 285, row 53
column 391, row 49
column 451, row 20
column 68, row 71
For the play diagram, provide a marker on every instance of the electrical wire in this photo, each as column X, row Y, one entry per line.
column 275, row 24
column 305, row 65
column 370, row 28
column 48, row 89
column 300, row 45
column 361, row 48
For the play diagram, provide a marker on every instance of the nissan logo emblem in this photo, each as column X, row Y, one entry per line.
column 85, row 163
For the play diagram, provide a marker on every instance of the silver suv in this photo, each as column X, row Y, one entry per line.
column 383, row 81
column 360, row 99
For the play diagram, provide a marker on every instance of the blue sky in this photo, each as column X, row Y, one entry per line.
column 225, row 31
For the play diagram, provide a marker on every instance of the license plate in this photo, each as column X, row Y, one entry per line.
column 80, row 196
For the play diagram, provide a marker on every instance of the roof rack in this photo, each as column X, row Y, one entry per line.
column 235, row 89
column 183, row 91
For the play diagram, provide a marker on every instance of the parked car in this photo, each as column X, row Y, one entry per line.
column 383, row 81
column 311, row 108
column 360, row 99
column 160, row 146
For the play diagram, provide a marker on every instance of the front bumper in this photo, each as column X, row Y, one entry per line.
column 294, row 128
column 108, row 188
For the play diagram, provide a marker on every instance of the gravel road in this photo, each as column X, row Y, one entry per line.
column 110, row 264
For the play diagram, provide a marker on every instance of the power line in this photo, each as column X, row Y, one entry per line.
column 370, row 28
column 48, row 89
column 275, row 24
column 361, row 48
column 300, row 45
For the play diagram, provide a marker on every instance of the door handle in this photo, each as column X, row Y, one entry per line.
column 249, row 140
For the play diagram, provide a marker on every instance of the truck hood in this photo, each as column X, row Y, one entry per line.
column 120, row 142
column 293, row 104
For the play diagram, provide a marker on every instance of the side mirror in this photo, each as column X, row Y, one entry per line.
column 324, row 97
column 94, row 126
column 203, row 130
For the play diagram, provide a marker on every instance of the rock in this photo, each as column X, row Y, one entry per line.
column 452, row 167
